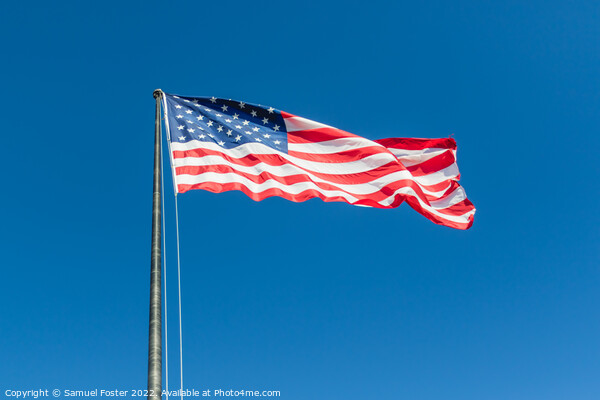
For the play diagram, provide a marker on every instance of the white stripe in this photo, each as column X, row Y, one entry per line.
column 434, row 178
column 353, row 167
column 437, row 194
column 260, row 187
column 294, row 124
column 453, row 198
column 333, row 146
column 237, row 152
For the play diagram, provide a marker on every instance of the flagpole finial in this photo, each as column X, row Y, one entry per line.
column 157, row 93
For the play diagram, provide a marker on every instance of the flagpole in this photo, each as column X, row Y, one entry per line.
column 155, row 334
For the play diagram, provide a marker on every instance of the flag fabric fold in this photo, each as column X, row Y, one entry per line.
column 220, row 145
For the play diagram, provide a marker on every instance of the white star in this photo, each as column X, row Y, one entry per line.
column 228, row 120
column 245, row 122
column 224, row 108
column 195, row 101
column 242, row 104
column 207, row 110
column 188, row 111
column 253, row 113
column 218, row 115
column 255, row 129
column 271, row 109
column 229, row 132
column 257, row 139
column 209, row 123
column 211, row 135
column 265, row 120
column 180, row 116
column 191, row 130
column 181, row 137
column 238, row 127
column 178, row 106
column 221, row 143
column 176, row 97
column 277, row 142
column 238, row 138
column 201, row 136
column 276, row 128
column 186, row 100
column 235, row 116
column 200, row 118
column 213, row 100
column 188, row 121
column 220, row 128
column 249, row 133
column 267, row 136
column 180, row 127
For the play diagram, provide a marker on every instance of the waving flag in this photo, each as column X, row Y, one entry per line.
column 220, row 145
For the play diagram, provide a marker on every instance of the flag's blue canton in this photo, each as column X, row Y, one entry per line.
column 227, row 123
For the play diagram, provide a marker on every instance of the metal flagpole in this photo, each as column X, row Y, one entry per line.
column 155, row 336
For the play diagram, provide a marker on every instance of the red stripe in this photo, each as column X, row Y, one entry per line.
column 342, row 156
column 434, row 164
column 318, row 135
column 249, row 160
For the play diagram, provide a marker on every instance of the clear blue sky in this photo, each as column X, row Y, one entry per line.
column 317, row 300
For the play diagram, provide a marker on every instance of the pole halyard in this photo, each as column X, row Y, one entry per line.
column 155, row 334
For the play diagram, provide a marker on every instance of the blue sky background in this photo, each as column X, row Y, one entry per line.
column 317, row 300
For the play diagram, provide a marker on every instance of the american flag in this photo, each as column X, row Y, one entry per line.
column 220, row 145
